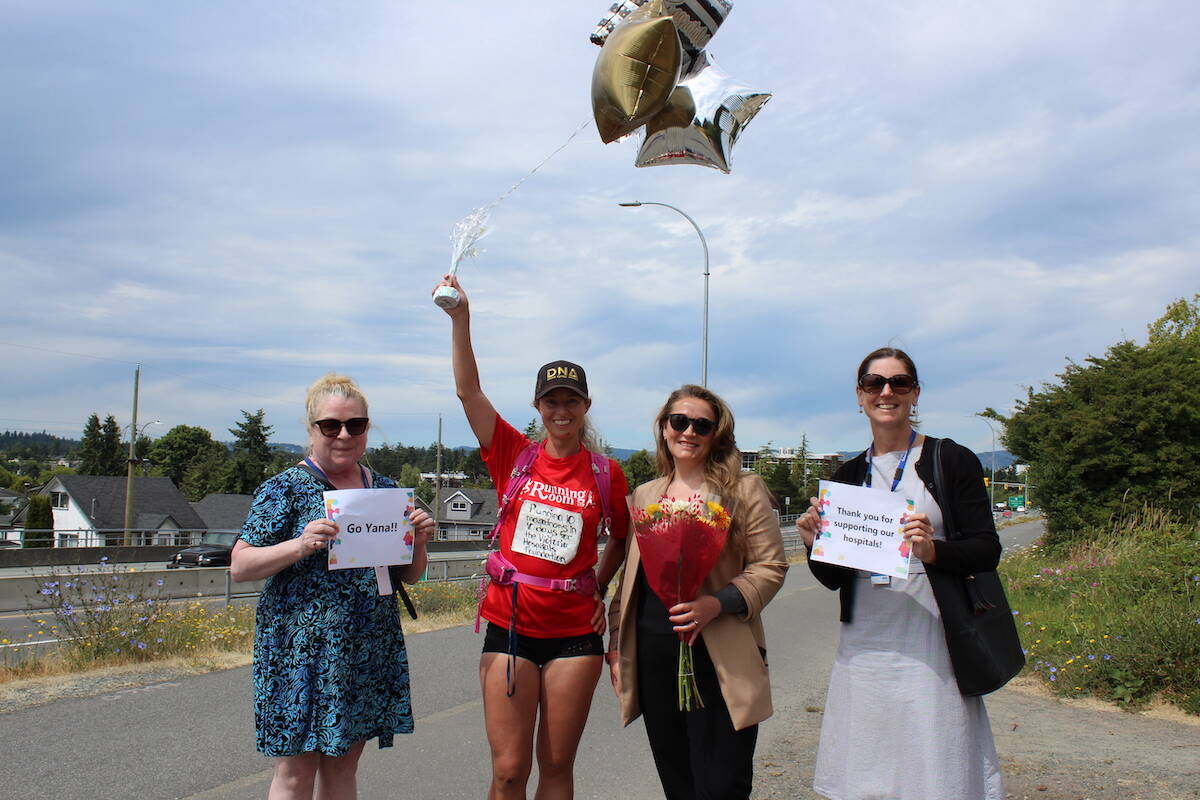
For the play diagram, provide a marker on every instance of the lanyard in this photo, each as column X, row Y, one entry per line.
column 912, row 437
column 362, row 473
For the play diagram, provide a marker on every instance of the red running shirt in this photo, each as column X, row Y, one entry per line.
column 554, row 537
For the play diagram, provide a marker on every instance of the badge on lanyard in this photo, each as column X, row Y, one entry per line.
column 877, row 579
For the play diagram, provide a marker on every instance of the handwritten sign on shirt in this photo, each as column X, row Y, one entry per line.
column 375, row 527
column 547, row 532
column 860, row 528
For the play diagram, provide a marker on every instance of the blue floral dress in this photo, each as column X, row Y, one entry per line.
column 330, row 667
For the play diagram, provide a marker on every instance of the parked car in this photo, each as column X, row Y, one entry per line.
column 213, row 551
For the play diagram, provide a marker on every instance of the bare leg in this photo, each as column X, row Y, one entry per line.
column 338, row 775
column 294, row 777
column 567, row 688
column 509, row 722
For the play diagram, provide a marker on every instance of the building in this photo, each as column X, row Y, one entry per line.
column 822, row 463
column 89, row 511
column 224, row 513
column 467, row 514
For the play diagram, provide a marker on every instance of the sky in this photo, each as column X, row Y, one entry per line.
column 240, row 197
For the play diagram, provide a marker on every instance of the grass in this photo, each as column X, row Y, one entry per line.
column 1116, row 618
column 111, row 620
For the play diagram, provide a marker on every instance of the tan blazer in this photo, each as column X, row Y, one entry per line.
column 733, row 642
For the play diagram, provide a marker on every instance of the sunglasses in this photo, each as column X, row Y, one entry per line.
column 332, row 427
column 873, row 384
column 701, row 426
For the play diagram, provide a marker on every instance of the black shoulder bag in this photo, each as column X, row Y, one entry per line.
column 981, row 635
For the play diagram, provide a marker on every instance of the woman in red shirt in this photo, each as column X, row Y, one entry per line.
column 542, row 653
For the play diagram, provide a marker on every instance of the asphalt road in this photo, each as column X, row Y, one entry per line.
column 193, row 737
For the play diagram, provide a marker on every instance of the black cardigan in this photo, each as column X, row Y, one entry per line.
column 973, row 547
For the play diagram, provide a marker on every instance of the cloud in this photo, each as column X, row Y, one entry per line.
column 241, row 199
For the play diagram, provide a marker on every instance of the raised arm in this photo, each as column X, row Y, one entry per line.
column 481, row 414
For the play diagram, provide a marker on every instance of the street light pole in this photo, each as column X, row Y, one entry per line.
column 704, row 244
column 992, row 485
column 130, row 461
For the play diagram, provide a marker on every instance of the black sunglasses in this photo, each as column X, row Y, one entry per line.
column 873, row 384
column 332, row 427
column 680, row 422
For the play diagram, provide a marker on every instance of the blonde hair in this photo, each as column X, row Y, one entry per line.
column 724, row 466
column 331, row 385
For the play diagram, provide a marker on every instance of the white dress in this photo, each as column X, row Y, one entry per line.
column 895, row 725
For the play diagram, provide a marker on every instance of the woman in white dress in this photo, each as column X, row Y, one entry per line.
column 896, row 726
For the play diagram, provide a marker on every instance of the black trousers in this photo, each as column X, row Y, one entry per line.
column 698, row 754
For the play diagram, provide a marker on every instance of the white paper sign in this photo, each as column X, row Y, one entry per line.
column 860, row 528
column 375, row 527
column 547, row 532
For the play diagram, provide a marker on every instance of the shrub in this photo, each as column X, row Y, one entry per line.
column 1118, row 616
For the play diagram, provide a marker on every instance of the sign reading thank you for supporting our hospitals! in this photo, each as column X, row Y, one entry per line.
column 375, row 527
column 860, row 528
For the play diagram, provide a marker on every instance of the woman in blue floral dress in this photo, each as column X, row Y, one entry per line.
column 330, row 669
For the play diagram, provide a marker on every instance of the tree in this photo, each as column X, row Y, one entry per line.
column 410, row 476
column 776, row 475
column 533, row 429
column 639, row 468
column 804, row 476
column 112, row 454
column 251, row 454
column 89, row 447
column 40, row 518
column 1117, row 432
column 207, row 475
column 181, row 449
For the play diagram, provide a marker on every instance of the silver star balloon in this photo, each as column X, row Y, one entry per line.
column 701, row 121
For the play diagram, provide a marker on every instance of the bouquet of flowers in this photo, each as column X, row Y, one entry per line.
column 680, row 541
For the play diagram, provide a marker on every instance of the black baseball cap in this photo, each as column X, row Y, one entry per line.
column 562, row 374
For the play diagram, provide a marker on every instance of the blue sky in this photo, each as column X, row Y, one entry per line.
column 242, row 196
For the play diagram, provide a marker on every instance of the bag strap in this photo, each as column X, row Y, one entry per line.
column 521, row 470
column 979, row 603
column 600, row 468
column 939, row 486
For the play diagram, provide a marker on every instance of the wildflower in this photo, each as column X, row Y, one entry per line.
column 158, row 582
column 103, row 559
column 1054, row 669
column 1107, row 656
column 1016, row 613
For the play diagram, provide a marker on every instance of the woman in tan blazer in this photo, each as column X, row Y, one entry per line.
column 707, row 753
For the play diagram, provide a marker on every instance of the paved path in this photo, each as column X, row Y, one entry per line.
column 193, row 737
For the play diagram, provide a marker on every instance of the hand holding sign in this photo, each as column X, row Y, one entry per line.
column 375, row 527
column 862, row 528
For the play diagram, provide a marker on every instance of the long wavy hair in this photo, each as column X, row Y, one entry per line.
column 723, row 469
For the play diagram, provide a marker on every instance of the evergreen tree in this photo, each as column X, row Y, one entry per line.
column 90, row 447
column 112, row 455
column 251, row 454
column 39, row 519
column 1117, row 432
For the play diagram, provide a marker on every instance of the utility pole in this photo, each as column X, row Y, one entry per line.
column 133, row 431
column 437, row 480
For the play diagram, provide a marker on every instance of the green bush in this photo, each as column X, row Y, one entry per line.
column 111, row 616
column 444, row 597
column 1117, row 617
